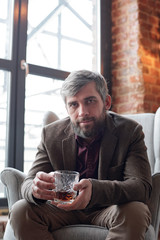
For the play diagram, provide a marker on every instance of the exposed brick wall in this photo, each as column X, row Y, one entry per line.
column 135, row 55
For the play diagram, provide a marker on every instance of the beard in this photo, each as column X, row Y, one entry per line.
column 87, row 131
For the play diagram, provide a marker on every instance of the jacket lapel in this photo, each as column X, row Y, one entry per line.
column 69, row 149
column 107, row 149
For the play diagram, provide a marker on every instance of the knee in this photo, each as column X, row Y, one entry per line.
column 18, row 212
column 134, row 213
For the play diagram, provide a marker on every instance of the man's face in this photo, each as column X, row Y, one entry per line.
column 87, row 111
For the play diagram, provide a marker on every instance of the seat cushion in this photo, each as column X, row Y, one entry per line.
column 79, row 232
column 90, row 232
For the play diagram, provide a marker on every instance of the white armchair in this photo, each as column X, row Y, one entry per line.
column 13, row 178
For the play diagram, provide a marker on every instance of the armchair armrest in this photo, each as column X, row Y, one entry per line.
column 12, row 179
column 154, row 202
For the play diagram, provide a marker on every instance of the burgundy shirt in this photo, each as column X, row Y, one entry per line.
column 88, row 157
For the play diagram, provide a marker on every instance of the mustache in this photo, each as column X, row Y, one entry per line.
column 86, row 119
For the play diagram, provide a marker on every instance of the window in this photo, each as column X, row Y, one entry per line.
column 6, row 22
column 36, row 55
column 65, row 35
column 4, row 105
column 6, row 29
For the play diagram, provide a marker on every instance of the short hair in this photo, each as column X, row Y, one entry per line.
column 78, row 79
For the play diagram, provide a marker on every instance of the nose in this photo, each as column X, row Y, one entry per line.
column 83, row 110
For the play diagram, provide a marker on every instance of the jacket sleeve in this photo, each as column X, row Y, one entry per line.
column 41, row 163
column 136, row 176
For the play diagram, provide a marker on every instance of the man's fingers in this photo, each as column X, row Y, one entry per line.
column 43, row 185
column 44, row 180
column 43, row 193
column 47, row 177
column 81, row 185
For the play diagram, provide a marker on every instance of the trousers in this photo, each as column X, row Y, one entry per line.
column 128, row 221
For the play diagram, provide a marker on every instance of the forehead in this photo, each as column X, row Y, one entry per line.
column 86, row 91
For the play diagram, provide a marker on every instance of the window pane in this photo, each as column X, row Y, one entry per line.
column 64, row 35
column 4, row 94
column 6, row 28
column 42, row 95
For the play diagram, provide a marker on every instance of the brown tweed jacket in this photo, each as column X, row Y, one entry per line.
column 123, row 172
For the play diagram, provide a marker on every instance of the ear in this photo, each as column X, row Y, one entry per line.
column 108, row 102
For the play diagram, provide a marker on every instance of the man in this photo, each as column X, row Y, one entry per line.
column 109, row 152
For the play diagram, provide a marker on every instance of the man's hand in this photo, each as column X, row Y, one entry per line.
column 42, row 186
column 85, row 192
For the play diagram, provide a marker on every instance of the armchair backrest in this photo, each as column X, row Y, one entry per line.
column 151, row 128
column 49, row 117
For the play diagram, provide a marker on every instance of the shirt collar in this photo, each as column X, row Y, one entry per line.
column 81, row 141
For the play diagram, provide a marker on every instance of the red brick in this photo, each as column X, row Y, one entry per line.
column 156, row 90
column 145, row 2
column 122, row 37
column 133, row 43
column 143, row 16
column 145, row 69
column 121, row 3
column 154, row 20
column 120, row 64
column 151, row 4
column 140, row 108
column 122, row 72
column 133, row 7
column 147, row 43
column 113, row 6
column 147, row 107
column 119, row 29
column 133, row 28
column 146, row 26
column 133, row 61
column 136, row 97
column 157, row 7
column 122, row 20
column 134, row 79
column 119, row 47
column 119, row 12
column 149, row 78
column 133, row 17
column 121, row 99
column 150, row 97
column 146, row 60
column 153, row 36
column 119, row 82
column 157, row 63
column 124, row 90
column 158, row 100
column 144, row 33
column 155, row 107
column 154, row 72
column 114, row 57
column 145, row 8
column 131, row 1
column 158, row 82
column 126, row 108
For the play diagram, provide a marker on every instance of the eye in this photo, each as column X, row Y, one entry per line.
column 91, row 100
column 73, row 105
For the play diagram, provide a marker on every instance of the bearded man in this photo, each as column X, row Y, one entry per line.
column 109, row 153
